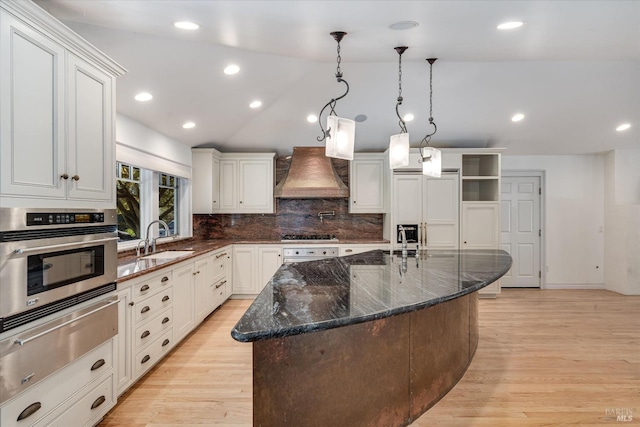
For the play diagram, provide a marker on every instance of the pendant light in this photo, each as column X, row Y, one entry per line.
column 340, row 133
column 431, row 157
column 399, row 143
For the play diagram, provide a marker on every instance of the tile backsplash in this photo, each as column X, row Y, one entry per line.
column 293, row 216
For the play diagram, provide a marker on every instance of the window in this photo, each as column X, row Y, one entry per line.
column 167, row 202
column 128, row 201
column 144, row 196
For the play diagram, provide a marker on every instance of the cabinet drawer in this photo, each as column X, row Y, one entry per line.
column 150, row 307
column 150, row 286
column 154, row 352
column 54, row 390
column 219, row 266
column 219, row 289
column 91, row 406
column 146, row 333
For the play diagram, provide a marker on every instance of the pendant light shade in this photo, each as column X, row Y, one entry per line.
column 431, row 161
column 399, row 150
column 340, row 142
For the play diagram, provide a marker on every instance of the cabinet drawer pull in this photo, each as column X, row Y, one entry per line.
column 145, row 334
column 165, row 298
column 29, row 410
column 145, row 359
column 144, row 288
column 99, row 364
column 221, row 255
column 220, row 284
column 348, row 250
column 165, row 279
column 165, row 342
column 99, row 401
column 165, row 320
column 144, row 309
column 131, row 303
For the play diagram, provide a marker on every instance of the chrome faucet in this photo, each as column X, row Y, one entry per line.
column 150, row 248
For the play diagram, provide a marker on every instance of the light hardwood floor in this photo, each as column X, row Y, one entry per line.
column 545, row 358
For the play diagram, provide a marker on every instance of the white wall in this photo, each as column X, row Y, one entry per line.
column 142, row 146
column 573, row 215
column 622, row 221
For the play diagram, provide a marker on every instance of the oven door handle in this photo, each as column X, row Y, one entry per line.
column 61, row 245
column 101, row 306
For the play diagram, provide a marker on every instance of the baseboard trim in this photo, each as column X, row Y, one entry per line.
column 574, row 286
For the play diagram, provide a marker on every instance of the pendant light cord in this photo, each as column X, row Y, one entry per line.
column 401, row 122
column 425, row 141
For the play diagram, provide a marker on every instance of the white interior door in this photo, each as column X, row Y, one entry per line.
column 520, row 230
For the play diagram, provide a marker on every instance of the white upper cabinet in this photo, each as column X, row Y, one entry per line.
column 56, row 113
column 232, row 183
column 367, row 183
column 205, row 178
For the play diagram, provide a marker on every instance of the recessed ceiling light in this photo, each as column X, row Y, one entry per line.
column 255, row 104
column 510, row 25
column 231, row 69
column 360, row 118
column 185, row 25
column 189, row 125
column 143, row 96
column 517, row 117
column 408, row 117
column 623, row 127
column 312, row 118
column 403, row 25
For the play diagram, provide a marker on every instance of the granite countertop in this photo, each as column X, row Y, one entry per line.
column 319, row 295
column 130, row 266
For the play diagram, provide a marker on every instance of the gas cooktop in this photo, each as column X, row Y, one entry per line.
column 310, row 237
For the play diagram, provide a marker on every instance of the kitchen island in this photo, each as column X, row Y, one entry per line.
column 365, row 340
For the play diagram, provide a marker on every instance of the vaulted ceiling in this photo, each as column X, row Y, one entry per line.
column 573, row 70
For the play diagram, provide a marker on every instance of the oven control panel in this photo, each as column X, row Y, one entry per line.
column 58, row 218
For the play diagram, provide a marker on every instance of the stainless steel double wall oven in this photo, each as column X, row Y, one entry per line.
column 58, row 270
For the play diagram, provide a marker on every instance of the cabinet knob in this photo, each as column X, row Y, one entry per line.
column 131, row 304
column 354, row 202
column 64, row 176
column 75, row 178
column 240, row 201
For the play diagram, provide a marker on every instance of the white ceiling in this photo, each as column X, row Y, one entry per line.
column 573, row 69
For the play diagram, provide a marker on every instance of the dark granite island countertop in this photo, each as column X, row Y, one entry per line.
column 320, row 295
column 372, row 339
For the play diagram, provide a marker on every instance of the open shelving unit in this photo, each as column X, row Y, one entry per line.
column 480, row 177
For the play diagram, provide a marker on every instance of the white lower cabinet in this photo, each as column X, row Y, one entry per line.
column 79, row 394
column 184, row 321
column 158, row 310
column 253, row 267
column 481, row 230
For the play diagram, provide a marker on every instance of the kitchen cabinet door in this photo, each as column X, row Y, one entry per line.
column 270, row 260
column 441, row 211
column 366, row 182
column 244, row 269
column 228, row 186
column 205, row 181
column 407, row 199
column 32, row 69
column 203, row 294
column 90, row 132
column 256, row 186
column 183, row 311
column 480, row 226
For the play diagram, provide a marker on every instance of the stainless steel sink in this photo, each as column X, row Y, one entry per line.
column 167, row 255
